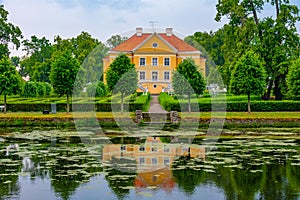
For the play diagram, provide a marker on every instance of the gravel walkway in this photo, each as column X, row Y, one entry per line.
column 155, row 107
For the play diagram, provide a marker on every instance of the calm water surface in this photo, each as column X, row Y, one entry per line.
column 56, row 165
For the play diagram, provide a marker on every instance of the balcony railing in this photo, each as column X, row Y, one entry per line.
column 150, row 65
column 154, row 81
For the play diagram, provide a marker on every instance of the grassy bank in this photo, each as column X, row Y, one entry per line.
column 228, row 103
column 232, row 120
column 204, row 115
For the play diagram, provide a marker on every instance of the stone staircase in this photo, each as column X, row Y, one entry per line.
column 156, row 114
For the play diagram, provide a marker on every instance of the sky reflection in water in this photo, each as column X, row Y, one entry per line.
column 150, row 168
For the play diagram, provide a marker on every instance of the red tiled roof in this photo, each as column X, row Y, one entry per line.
column 177, row 43
column 135, row 40
column 131, row 43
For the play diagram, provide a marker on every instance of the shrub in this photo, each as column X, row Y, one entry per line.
column 142, row 103
column 36, row 89
column 30, row 89
column 38, row 105
column 166, row 100
column 169, row 104
column 48, row 88
column 96, row 90
column 40, row 89
column 34, row 107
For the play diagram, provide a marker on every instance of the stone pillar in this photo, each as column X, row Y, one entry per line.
column 138, row 116
column 174, row 117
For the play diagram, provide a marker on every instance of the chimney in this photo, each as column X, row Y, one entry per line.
column 139, row 31
column 169, row 31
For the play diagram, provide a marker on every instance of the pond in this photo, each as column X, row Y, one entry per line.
column 57, row 165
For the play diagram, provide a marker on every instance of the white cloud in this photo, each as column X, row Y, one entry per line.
column 103, row 18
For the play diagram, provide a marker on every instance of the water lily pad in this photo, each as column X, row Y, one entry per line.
column 234, row 166
column 127, row 187
column 209, row 170
column 256, row 171
column 7, row 182
column 295, row 164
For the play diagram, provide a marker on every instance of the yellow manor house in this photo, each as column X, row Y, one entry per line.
column 155, row 56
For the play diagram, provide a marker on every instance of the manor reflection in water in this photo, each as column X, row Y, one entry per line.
column 153, row 160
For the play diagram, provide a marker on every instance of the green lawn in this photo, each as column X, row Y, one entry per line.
column 229, row 115
column 62, row 115
column 245, row 115
column 115, row 98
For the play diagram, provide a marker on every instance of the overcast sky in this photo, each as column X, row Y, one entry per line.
column 104, row 18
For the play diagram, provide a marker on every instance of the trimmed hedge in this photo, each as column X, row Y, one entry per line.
column 36, row 89
column 169, row 104
column 141, row 103
column 96, row 90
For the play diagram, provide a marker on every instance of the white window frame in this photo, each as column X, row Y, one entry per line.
column 166, row 161
column 141, row 60
column 142, row 159
column 166, row 149
column 144, row 75
column 154, row 149
column 152, row 75
column 156, row 161
column 168, row 61
column 154, row 64
column 185, row 149
column 169, row 76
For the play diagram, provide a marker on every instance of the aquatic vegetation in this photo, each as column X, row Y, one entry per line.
column 227, row 164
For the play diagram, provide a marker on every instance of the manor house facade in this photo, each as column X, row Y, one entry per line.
column 155, row 56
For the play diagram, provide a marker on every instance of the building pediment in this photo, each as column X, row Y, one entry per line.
column 155, row 44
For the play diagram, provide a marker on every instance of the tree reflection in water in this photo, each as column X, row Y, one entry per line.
column 240, row 168
column 9, row 168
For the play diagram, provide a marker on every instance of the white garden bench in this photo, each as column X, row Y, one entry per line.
column 2, row 108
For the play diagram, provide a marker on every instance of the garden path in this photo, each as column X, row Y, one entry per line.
column 155, row 107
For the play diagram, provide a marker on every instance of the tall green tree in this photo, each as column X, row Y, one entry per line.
column 93, row 63
column 115, row 40
column 278, row 47
column 96, row 89
column 38, row 54
column 122, row 77
column 187, row 80
column 8, row 33
column 248, row 77
column 275, row 39
column 10, row 80
column 39, row 48
column 83, row 44
column 15, row 61
column 65, row 69
column 42, row 71
column 293, row 78
column 211, row 44
column 215, row 77
column 88, row 51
